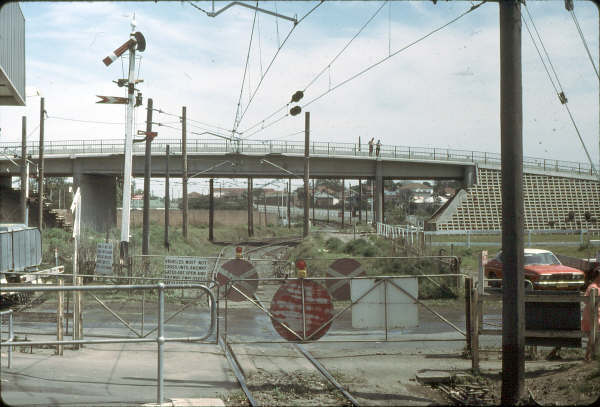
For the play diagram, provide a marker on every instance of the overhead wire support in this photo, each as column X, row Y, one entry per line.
column 347, row 45
column 331, row 89
column 237, row 111
column 255, row 8
column 585, row 44
column 471, row 9
column 271, row 64
column 559, row 90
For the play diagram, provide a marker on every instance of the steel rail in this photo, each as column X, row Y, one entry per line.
column 318, row 365
column 237, row 371
column 325, row 373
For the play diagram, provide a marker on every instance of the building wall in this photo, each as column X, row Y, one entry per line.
column 12, row 52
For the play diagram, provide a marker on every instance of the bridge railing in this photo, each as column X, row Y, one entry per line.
column 197, row 145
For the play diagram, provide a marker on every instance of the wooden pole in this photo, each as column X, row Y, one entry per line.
column 41, row 169
column 359, row 200
column 185, row 170
column 211, row 210
column 167, row 200
column 474, row 331
column 289, row 208
column 313, row 201
column 306, row 228
column 343, row 201
column 468, row 290
column 265, row 205
column 511, row 135
column 147, row 176
column 250, row 208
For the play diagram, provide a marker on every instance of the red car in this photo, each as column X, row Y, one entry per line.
column 542, row 269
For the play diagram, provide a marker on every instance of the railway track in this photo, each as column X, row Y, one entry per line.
column 299, row 349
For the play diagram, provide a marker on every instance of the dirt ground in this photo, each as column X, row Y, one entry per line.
column 573, row 382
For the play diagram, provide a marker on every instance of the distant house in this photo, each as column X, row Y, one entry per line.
column 236, row 193
column 325, row 200
column 416, row 188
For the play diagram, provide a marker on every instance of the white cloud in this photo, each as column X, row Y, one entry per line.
column 442, row 92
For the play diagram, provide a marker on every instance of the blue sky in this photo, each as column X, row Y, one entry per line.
column 442, row 92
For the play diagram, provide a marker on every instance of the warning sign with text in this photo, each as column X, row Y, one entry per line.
column 104, row 259
column 187, row 268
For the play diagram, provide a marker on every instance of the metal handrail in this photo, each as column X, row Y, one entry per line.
column 11, row 333
column 160, row 338
column 199, row 145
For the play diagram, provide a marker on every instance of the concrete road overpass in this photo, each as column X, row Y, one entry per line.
column 95, row 164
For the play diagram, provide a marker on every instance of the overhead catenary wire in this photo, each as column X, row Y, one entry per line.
column 238, row 107
column 362, row 72
column 585, row 44
column 409, row 45
column 346, row 46
column 557, row 87
column 271, row 64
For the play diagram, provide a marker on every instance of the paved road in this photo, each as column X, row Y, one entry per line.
column 125, row 374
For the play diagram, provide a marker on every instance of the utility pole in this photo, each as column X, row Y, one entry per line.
column 211, row 210
column 167, row 200
column 306, row 228
column 343, row 201
column 289, row 208
column 511, row 136
column 313, row 201
column 185, row 171
column 359, row 200
column 265, row 205
column 147, row 176
column 250, row 209
column 41, row 169
column 24, row 172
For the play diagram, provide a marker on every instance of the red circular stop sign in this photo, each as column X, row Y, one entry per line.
column 340, row 289
column 238, row 269
column 286, row 309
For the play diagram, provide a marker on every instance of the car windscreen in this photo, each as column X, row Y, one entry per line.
column 540, row 258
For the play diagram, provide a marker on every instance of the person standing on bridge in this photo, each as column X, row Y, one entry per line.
column 371, row 146
column 378, row 148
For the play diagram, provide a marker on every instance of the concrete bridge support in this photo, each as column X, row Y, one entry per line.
column 98, row 200
column 378, row 194
column 5, row 182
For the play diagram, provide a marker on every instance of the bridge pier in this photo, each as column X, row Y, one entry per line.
column 98, row 200
column 469, row 178
column 5, row 182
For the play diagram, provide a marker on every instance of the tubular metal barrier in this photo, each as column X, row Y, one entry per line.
column 160, row 338
column 11, row 333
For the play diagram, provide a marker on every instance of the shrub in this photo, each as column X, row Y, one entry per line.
column 334, row 244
